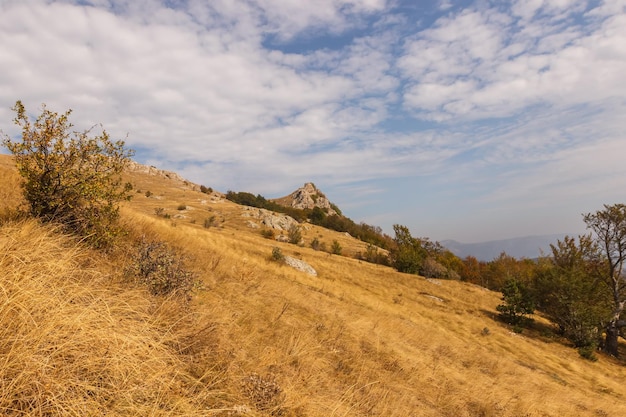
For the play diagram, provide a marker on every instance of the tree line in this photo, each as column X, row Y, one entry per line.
column 580, row 285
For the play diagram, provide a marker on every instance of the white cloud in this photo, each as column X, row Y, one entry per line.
column 476, row 66
column 221, row 91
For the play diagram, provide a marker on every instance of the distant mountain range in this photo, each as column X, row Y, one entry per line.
column 520, row 247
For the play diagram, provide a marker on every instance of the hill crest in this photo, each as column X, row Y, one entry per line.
column 308, row 197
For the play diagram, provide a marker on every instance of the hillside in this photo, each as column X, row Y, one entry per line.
column 260, row 338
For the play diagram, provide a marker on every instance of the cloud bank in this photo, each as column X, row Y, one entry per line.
column 478, row 122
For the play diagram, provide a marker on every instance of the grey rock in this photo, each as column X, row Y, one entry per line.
column 300, row 265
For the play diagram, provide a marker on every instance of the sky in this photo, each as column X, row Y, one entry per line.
column 466, row 120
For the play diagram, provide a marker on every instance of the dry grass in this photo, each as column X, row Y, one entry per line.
column 76, row 342
column 264, row 339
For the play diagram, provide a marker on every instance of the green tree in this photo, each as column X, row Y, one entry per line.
column 336, row 248
column 70, row 177
column 518, row 302
column 609, row 226
column 409, row 254
column 570, row 292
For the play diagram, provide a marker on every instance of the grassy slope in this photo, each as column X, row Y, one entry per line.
column 356, row 340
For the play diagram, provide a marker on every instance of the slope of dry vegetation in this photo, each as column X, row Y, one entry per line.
column 260, row 338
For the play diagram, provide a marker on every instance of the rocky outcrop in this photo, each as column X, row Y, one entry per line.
column 152, row 170
column 308, row 197
column 269, row 218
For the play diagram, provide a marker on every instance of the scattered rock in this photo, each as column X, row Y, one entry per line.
column 300, row 265
column 252, row 224
column 441, row 300
column 282, row 238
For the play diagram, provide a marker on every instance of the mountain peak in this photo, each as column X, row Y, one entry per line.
column 308, row 197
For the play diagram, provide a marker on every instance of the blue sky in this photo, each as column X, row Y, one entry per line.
column 461, row 120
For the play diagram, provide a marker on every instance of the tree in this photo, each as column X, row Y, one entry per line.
column 569, row 290
column 409, row 254
column 518, row 302
column 609, row 226
column 69, row 177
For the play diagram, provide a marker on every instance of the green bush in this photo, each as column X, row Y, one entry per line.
column 518, row 304
column 336, row 248
column 181, row 207
column 69, row 177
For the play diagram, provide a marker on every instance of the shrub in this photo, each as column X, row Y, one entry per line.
column 159, row 211
column 294, row 234
column 433, row 269
column 264, row 393
column 162, row 270
column 209, row 222
column 148, row 193
column 181, row 207
column 267, row 233
column 206, row 190
column 315, row 244
column 69, row 177
column 336, row 248
column 373, row 255
column 277, row 255
column 588, row 352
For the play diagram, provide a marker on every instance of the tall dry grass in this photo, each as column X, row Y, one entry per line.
column 76, row 341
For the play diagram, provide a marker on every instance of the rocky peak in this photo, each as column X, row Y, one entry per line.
column 308, row 197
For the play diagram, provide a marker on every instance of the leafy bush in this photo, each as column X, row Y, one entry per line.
column 160, row 268
column 206, row 190
column 181, row 207
column 336, row 248
column 69, row 177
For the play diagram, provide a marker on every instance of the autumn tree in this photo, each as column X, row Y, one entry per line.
column 69, row 177
column 609, row 227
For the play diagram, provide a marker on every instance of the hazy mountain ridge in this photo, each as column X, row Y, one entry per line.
column 518, row 247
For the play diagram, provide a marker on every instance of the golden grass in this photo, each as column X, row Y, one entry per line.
column 263, row 339
column 76, row 342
